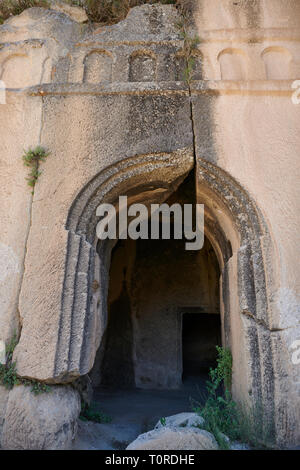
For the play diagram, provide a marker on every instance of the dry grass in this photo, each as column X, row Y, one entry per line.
column 113, row 11
column 15, row 7
column 100, row 11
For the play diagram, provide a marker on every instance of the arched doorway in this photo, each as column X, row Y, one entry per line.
column 239, row 236
column 163, row 311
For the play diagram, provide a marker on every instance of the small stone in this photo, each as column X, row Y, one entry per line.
column 182, row 420
column 239, row 446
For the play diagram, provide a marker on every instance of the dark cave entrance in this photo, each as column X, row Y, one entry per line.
column 201, row 333
column 163, row 312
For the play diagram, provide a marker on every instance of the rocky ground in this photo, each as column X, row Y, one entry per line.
column 149, row 419
column 134, row 412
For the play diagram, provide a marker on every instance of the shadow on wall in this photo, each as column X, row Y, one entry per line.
column 117, row 365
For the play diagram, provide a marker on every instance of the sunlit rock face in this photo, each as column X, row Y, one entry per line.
column 121, row 115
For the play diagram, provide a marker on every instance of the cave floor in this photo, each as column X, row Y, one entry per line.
column 146, row 407
column 136, row 411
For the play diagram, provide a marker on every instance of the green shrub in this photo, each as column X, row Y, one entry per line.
column 8, row 375
column 222, row 374
column 219, row 411
column 223, row 416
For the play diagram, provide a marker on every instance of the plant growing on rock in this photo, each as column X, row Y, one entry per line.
column 9, row 376
column 224, row 417
column 163, row 421
column 219, row 411
column 32, row 159
column 190, row 47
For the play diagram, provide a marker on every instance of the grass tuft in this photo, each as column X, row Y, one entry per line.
column 32, row 159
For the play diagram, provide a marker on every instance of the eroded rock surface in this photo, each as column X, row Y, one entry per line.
column 40, row 422
column 4, row 393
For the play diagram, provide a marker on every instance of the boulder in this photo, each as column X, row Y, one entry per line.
column 47, row 421
column 76, row 13
column 166, row 438
column 182, row 420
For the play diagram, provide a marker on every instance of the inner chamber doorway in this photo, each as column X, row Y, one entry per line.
column 201, row 333
column 163, row 313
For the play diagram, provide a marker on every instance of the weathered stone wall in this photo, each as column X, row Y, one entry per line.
column 254, row 136
column 113, row 100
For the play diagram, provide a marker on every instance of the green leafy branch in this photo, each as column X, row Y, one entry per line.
column 32, row 159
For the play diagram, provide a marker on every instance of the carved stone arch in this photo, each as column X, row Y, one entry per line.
column 233, row 64
column 142, row 66
column 97, row 66
column 180, row 65
column 153, row 177
column 9, row 66
column 157, row 173
column 222, row 194
column 277, row 62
